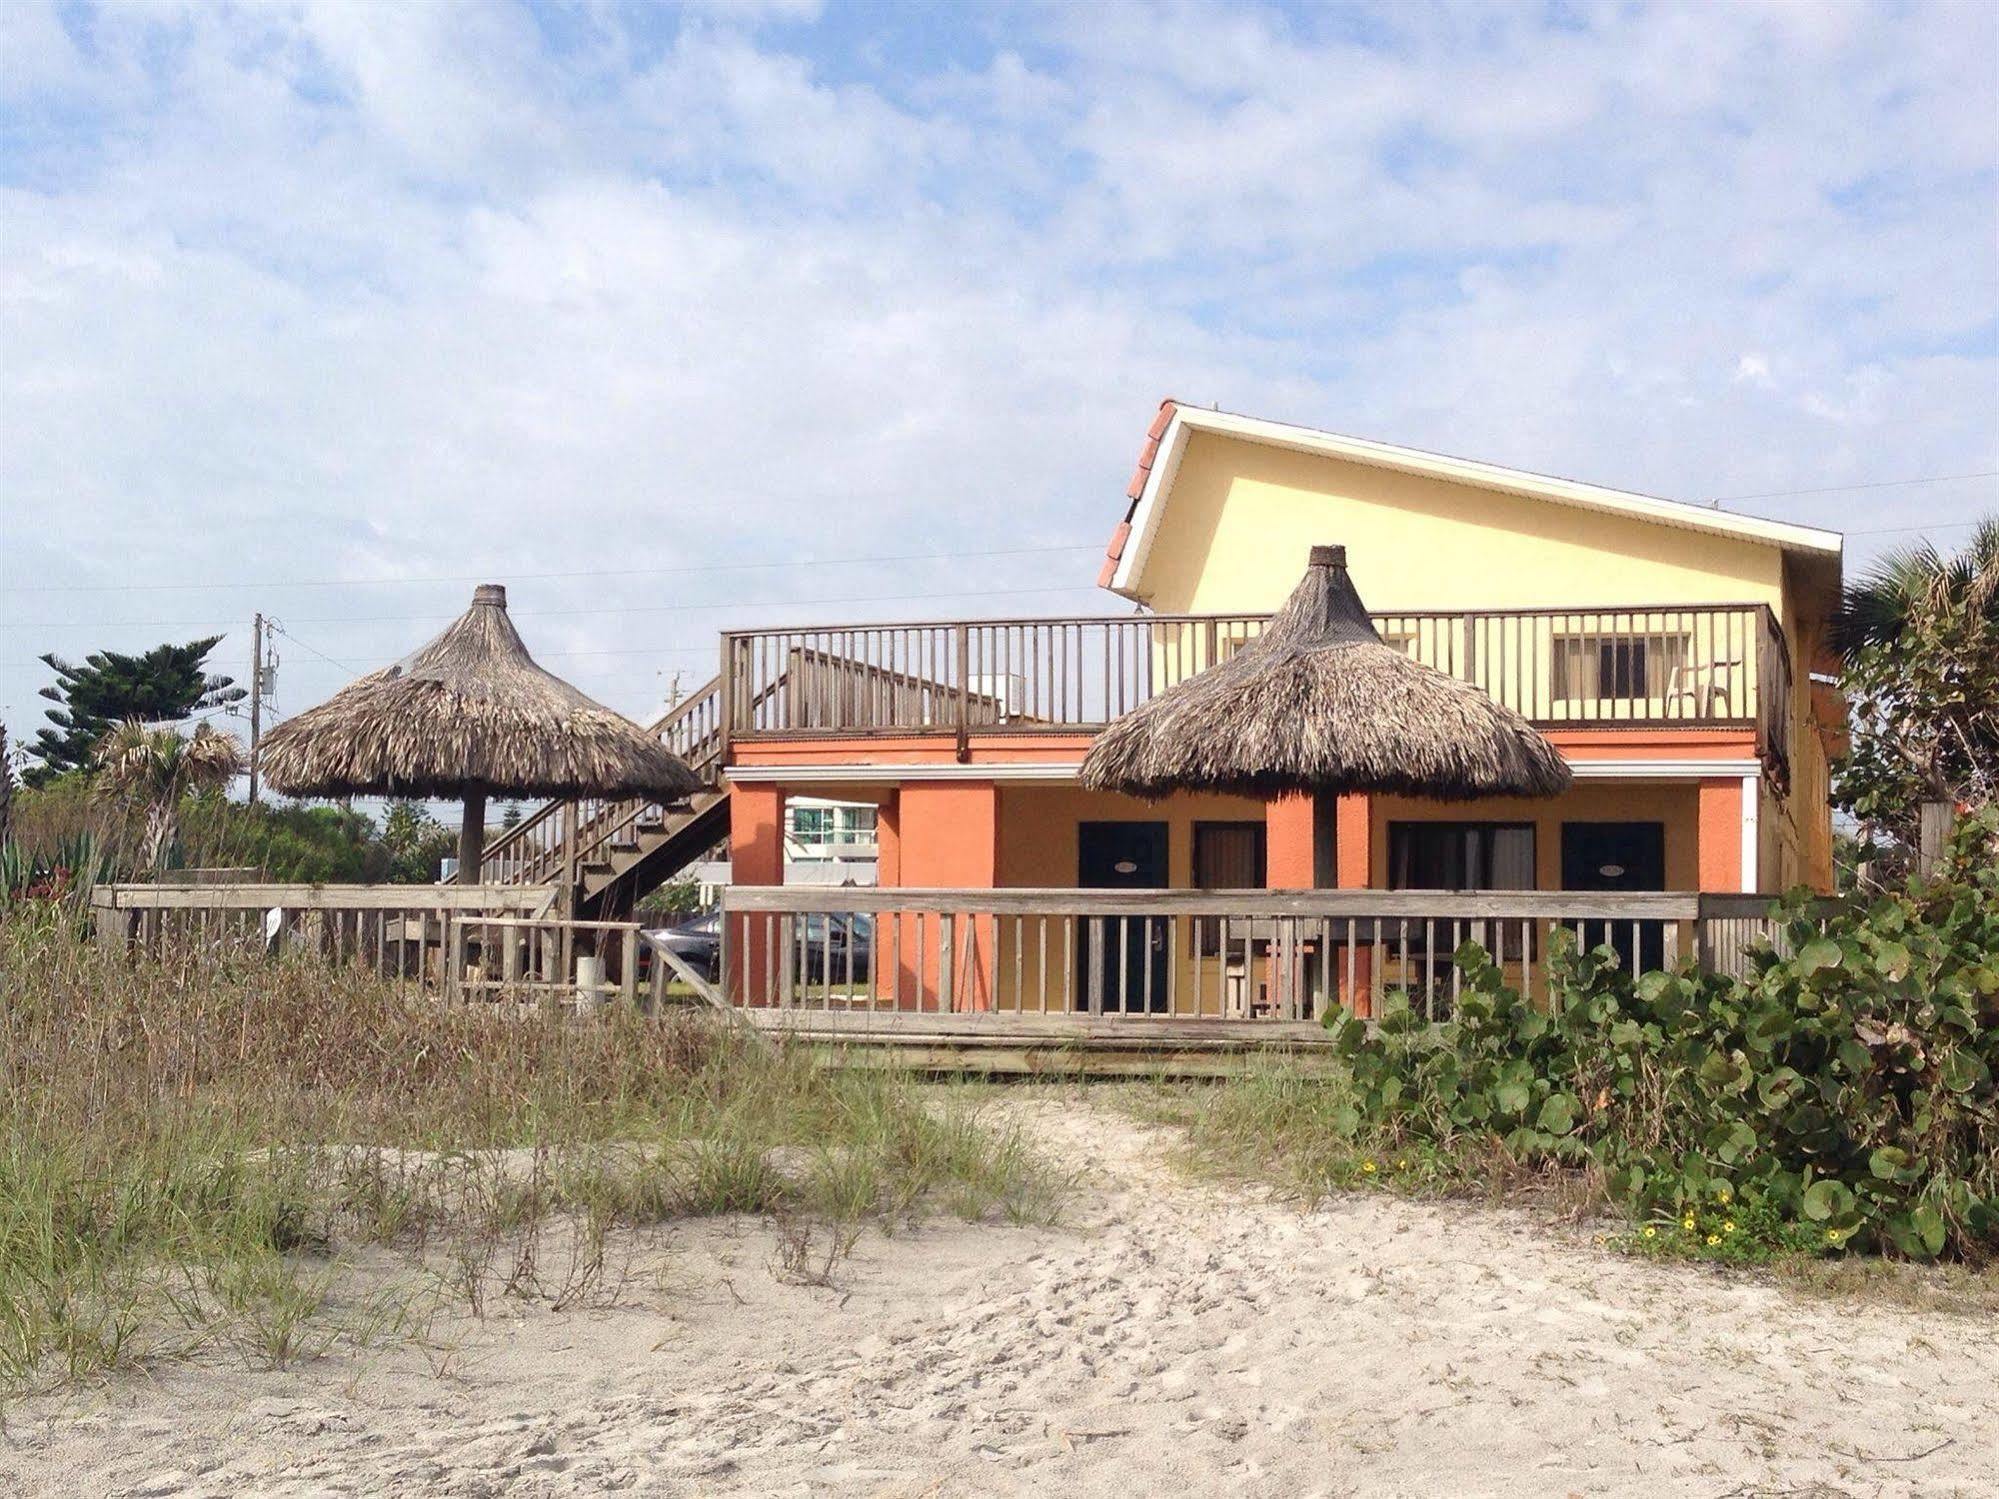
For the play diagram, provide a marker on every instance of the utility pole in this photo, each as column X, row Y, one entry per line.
column 256, row 696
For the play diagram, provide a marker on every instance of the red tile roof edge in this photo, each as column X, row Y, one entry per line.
column 1146, row 454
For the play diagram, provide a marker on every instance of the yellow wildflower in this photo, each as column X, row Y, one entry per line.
column 1832, row 1236
column 1726, row 1195
column 1713, row 1239
column 1651, row 1233
column 1367, row 1166
column 1728, row 1227
column 1688, row 1223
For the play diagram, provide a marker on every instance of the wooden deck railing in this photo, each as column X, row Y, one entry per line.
column 556, row 839
column 460, row 943
column 1085, row 964
column 1183, row 954
column 1700, row 665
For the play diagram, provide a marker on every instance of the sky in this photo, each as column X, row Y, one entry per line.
column 681, row 318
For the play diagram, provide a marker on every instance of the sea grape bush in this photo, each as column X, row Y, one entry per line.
column 1840, row 1098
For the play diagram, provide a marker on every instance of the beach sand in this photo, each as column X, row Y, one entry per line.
column 1170, row 1337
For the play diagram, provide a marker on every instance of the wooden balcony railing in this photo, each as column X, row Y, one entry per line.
column 1722, row 665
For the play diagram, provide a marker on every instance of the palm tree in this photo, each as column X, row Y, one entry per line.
column 1917, row 586
column 153, row 767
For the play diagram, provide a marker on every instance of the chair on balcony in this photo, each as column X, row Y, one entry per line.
column 1705, row 684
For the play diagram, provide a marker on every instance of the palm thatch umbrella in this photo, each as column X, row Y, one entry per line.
column 1319, row 703
column 468, row 716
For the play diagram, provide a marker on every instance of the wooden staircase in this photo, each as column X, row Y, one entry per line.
column 606, row 854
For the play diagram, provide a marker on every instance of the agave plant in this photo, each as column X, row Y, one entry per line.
column 67, row 873
column 6, row 786
column 153, row 767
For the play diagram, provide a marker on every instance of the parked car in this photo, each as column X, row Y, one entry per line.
column 697, row 942
column 826, row 944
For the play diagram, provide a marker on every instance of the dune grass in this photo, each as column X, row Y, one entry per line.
column 196, row 1152
column 1295, row 1127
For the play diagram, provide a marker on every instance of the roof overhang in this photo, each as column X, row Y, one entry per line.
column 1166, row 443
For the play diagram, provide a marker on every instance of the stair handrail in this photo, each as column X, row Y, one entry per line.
column 701, row 751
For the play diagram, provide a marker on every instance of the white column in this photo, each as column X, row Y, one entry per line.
column 1752, row 799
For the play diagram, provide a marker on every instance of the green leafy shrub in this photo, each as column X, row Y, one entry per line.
column 1842, row 1098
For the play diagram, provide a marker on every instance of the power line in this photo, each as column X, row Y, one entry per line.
column 1781, row 494
column 625, row 572
column 313, row 649
column 1944, row 525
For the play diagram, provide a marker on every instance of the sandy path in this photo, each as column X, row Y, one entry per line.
column 1176, row 1339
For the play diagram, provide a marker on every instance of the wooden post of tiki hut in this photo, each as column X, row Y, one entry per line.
column 1319, row 706
column 468, row 717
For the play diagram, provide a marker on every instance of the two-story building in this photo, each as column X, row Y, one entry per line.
column 1664, row 648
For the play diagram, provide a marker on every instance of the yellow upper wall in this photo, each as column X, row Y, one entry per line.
column 1241, row 516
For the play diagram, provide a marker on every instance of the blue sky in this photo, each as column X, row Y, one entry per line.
column 304, row 304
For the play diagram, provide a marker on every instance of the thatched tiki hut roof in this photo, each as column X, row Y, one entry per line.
column 1318, row 703
column 468, row 716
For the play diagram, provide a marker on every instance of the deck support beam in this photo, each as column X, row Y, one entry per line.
column 756, row 857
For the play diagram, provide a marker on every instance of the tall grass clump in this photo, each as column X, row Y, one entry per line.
column 195, row 1148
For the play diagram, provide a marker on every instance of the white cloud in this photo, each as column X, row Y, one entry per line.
column 311, row 295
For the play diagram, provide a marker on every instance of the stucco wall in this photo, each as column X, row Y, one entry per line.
column 1243, row 515
column 1037, row 828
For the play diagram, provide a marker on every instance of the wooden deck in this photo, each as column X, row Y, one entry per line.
column 1050, row 1046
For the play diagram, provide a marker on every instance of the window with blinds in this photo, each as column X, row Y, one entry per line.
column 1617, row 666
column 1460, row 856
column 1227, row 856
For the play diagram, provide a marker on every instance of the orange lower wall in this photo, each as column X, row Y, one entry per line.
column 948, row 834
column 978, row 834
column 1037, row 829
column 1720, row 836
column 947, row 837
column 756, row 857
column 1289, row 847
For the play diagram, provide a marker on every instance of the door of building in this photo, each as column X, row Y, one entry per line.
column 1129, row 971
column 1618, row 856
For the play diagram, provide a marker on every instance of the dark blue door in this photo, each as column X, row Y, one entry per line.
column 1129, row 970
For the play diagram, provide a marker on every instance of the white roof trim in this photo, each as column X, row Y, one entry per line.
column 1189, row 419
